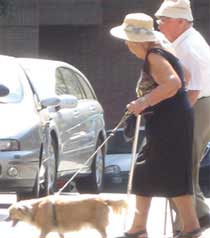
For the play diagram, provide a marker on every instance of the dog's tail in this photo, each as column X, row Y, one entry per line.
column 117, row 205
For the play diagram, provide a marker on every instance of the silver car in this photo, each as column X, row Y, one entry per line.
column 51, row 122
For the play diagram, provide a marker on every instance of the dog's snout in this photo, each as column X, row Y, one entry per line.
column 7, row 219
column 13, row 221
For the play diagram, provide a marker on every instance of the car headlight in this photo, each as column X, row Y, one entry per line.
column 9, row 145
column 112, row 169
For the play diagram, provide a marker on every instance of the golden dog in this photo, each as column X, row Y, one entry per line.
column 55, row 213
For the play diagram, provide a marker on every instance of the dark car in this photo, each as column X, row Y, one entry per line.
column 118, row 162
column 51, row 122
column 118, row 158
column 204, row 176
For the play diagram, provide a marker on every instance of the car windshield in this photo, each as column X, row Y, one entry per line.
column 41, row 79
column 10, row 74
column 118, row 145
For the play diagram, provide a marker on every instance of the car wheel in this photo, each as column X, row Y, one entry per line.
column 94, row 182
column 206, row 191
column 48, row 172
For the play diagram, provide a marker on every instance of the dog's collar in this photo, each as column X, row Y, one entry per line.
column 54, row 216
column 55, row 221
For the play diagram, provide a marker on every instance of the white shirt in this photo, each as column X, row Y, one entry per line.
column 194, row 53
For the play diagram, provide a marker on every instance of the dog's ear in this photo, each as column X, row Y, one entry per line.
column 21, row 208
column 25, row 209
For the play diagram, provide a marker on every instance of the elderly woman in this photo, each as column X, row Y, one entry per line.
column 169, row 128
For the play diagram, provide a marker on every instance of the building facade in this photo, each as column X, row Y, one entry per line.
column 77, row 31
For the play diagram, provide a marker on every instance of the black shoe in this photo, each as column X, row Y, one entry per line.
column 191, row 234
column 136, row 234
column 204, row 221
column 176, row 233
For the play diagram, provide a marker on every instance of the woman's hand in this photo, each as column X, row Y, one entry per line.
column 138, row 106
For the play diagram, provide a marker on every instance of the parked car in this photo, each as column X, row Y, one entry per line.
column 4, row 91
column 118, row 162
column 51, row 122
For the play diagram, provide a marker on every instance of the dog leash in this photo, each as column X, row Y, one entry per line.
column 112, row 133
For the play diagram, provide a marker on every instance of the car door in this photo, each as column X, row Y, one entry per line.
column 67, row 121
column 93, row 112
column 70, row 122
column 84, row 135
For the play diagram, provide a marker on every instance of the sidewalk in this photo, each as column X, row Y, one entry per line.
column 155, row 223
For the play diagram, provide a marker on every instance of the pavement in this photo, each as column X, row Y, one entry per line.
column 117, row 225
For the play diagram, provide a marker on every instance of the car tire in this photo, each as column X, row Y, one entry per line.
column 94, row 182
column 206, row 191
column 47, row 187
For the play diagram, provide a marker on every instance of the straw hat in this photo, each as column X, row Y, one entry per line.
column 179, row 9
column 136, row 27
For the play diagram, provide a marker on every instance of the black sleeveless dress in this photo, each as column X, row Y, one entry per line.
column 164, row 166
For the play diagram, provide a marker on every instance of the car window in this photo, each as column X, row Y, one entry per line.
column 41, row 77
column 118, row 145
column 89, row 94
column 60, row 85
column 71, row 82
column 11, row 75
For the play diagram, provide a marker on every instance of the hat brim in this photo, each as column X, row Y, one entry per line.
column 120, row 33
column 176, row 13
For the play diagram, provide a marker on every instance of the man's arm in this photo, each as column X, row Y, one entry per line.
column 187, row 75
column 193, row 96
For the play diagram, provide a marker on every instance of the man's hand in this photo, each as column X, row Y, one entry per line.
column 193, row 96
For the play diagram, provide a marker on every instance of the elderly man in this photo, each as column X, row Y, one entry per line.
column 175, row 21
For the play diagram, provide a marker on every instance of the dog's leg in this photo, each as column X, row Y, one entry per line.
column 102, row 231
column 102, row 220
column 43, row 234
column 61, row 235
column 101, row 227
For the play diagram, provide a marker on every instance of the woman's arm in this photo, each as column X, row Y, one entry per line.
column 168, row 84
column 165, row 76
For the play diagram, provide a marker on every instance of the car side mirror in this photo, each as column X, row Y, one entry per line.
column 68, row 101
column 50, row 102
column 4, row 91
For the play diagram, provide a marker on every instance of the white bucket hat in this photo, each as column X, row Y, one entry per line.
column 179, row 9
column 136, row 27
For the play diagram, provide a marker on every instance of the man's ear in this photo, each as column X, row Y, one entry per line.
column 183, row 22
column 180, row 21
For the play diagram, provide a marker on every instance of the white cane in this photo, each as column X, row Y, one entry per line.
column 165, row 217
column 133, row 155
column 133, row 161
